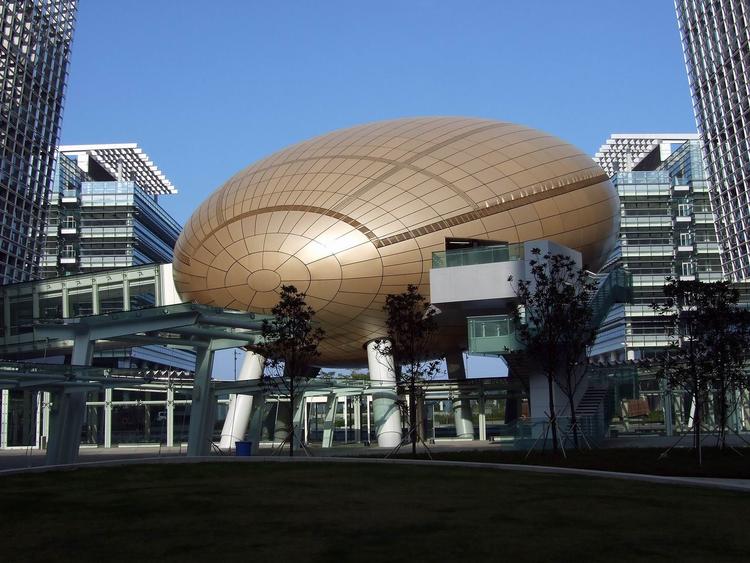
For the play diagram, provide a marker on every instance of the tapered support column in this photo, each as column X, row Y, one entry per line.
column 283, row 421
column 330, row 420
column 68, row 410
column 241, row 406
column 357, row 419
column 255, row 432
column 461, row 407
column 384, row 398
column 203, row 406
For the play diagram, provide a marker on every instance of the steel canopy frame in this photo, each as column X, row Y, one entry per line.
column 203, row 328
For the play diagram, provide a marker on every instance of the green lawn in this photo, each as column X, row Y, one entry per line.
column 680, row 461
column 351, row 512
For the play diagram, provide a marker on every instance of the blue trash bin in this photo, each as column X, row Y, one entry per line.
column 244, row 449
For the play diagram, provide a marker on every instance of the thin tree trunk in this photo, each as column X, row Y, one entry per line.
column 723, row 407
column 573, row 418
column 413, row 417
column 697, row 425
column 291, row 417
column 552, row 416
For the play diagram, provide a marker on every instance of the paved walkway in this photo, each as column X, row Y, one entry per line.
column 738, row 485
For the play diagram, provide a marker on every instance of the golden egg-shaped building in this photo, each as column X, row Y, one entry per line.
column 356, row 214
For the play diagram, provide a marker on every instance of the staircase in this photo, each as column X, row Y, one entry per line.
column 614, row 287
column 590, row 414
column 591, row 401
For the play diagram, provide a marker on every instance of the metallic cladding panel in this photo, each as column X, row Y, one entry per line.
column 353, row 215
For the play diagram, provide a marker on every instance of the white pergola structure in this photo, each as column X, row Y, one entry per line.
column 623, row 151
column 125, row 162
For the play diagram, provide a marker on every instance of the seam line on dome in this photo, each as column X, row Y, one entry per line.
column 400, row 165
column 489, row 210
column 380, row 242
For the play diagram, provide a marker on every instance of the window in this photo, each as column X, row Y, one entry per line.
column 686, row 239
column 688, row 269
column 142, row 294
column 110, row 298
column 21, row 314
column 81, row 302
column 50, row 306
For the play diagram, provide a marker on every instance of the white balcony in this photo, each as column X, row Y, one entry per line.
column 685, row 248
column 474, row 283
column 681, row 188
column 683, row 218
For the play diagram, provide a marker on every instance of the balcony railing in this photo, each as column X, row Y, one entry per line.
column 477, row 255
column 492, row 334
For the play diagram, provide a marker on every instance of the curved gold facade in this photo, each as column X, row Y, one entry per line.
column 356, row 214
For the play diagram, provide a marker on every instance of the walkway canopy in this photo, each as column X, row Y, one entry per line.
column 184, row 325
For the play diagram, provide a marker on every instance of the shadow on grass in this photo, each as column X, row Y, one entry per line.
column 734, row 464
column 350, row 512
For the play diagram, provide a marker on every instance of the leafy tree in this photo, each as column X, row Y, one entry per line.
column 290, row 346
column 411, row 326
column 707, row 355
column 554, row 322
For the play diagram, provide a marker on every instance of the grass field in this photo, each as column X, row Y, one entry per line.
column 351, row 512
column 680, row 462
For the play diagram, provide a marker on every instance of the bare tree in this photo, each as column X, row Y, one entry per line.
column 411, row 327
column 554, row 322
column 290, row 347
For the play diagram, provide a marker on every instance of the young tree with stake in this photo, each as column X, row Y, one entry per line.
column 707, row 355
column 411, row 326
column 554, row 322
column 290, row 347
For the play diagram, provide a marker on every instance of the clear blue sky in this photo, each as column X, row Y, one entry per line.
column 206, row 88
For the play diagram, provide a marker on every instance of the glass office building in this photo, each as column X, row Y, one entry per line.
column 716, row 45
column 666, row 229
column 34, row 57
column 104, row 212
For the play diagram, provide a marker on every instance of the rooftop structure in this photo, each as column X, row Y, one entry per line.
column 635, row 151
column 98, row 222
column 121, row 162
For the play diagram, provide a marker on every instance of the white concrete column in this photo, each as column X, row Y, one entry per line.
column 108, row 417
column 462, row 418
column 539, row 399
column 46, row 399
column 5, row 394
column 357, row 418
column 386, row 413
column 482, row 418
column 170, row 416
column 454, row 363
column 241, row 406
